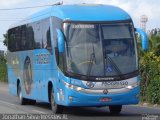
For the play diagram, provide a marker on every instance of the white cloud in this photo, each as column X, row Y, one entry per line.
column 10, row 3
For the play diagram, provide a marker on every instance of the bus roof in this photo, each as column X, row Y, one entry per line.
column 79, row 12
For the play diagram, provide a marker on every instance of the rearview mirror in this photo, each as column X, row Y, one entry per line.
column 144, row 38
column 60, row 41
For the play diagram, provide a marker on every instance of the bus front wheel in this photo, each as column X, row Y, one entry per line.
column 54, row 106
column 22, row 100
column 115, row 109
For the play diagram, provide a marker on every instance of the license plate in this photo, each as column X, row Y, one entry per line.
column 105, row 99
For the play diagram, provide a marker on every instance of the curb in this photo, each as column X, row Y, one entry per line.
column 154, row 106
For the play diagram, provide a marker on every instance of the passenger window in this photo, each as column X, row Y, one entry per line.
column 11, row 39
column 37, row 35
column 30, row 37
column 57, row 24
column 17, row 38
column 24, row 45
column 46, row 38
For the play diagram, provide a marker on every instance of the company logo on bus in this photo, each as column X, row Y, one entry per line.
column 105, row 91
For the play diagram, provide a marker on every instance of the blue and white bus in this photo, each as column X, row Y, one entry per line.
column 75, row 55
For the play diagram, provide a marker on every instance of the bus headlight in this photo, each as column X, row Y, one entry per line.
column 133, row 85
column 79, row 88
column 72, row 86
column 130, row 87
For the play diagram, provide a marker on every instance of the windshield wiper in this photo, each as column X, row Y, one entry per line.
column 92, row 61
column 115, row 67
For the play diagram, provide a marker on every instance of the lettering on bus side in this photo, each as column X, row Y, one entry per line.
column 43, row 58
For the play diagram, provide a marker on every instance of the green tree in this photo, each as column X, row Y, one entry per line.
column 3, row 62
column 150, row 69
column 154, row 42
column 5, row 39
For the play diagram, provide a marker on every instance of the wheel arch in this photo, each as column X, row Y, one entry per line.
column 18, row 82
column 50, row 87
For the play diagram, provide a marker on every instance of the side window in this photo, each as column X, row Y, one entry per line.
column 61, row 61
column 37, row 35
column 14, row 39
column 17, row 38
column 24, row 44
column 11, row 39
column 46, row 38
column 30, row 37
column 57, row 24
column 20, row 38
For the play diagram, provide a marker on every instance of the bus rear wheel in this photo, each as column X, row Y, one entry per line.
column 54, row 106
column 22, row 100
column 115, row 109
column 31, row 102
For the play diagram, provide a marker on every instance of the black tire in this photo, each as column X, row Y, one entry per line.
column 57, row 109
column 22, row 100
column 115, row 109
column 31, row 102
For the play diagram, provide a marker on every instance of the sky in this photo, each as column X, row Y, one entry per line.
column 135, row 8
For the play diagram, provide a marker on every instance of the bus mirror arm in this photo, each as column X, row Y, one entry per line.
column 144, row 38
column 60, row 41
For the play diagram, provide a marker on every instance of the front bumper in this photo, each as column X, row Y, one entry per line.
column 80, row 98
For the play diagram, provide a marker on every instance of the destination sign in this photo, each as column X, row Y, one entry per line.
column 83, row 26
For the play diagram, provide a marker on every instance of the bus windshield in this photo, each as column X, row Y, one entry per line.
column 102, row 50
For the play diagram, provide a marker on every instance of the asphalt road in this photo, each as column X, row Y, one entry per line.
column 10, row 105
